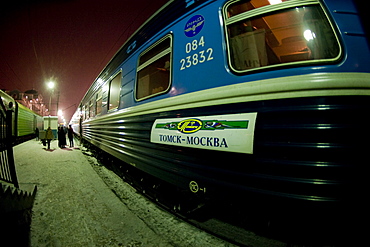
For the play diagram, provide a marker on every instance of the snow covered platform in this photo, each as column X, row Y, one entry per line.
column 81, row 203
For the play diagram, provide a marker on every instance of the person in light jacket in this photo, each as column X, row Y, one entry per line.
column 49, row 136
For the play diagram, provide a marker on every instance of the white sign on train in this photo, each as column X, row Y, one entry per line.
column 230, row 132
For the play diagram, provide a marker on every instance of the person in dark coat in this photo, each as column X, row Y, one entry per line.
column 62, row 142
column 37, row 133
column 70, row 135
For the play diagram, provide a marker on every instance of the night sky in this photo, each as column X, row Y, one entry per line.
column 66, row 41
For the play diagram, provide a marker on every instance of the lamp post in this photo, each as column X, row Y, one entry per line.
column 51, row 87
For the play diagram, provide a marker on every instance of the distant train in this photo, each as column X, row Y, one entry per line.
column 24, row 120
column 263, row 102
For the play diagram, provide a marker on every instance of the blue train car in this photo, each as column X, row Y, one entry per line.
column 259, row 100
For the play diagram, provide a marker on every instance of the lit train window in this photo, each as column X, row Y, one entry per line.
column 87, row 111
column 99, row 104
column 83, row 114
column 270, row 33
column 114, row 91
column 92, row 108
column 154, row 69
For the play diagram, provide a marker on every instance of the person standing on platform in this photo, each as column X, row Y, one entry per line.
column 70, row 135
column 49, row 136
column 61, row 137
column 37, row 133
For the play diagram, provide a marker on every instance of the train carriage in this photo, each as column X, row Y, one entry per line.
column 24, row 120
column 27, row 121
column 240, row 99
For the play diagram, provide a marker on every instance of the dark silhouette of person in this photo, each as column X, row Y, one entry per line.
column 37, row 133
column 62, row 142
column 70, row 135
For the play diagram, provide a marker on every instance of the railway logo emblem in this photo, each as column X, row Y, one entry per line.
column 189, row 126
column 192, row 125
column 194, row 25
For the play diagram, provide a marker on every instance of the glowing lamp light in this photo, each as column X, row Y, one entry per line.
column 51, row 84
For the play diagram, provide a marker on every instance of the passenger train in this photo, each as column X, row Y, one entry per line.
column 262, row 102
column 24, row 120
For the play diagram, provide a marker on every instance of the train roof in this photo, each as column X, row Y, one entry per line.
column 27, row 109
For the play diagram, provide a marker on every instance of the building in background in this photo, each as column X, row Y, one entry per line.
column 30, row 99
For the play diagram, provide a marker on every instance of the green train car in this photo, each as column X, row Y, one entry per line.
column 28, row 121
column 24, row 120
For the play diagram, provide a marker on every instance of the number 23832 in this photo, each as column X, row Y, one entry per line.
column 199, row 56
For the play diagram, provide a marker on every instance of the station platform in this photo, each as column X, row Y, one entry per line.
column 73, row 206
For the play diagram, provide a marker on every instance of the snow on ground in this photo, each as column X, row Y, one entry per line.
column 75, row 204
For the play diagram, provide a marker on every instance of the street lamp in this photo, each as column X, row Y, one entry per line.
column 51, row 87
column 51, row 84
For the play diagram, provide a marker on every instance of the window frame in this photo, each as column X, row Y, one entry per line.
column 83, row 112
column 87, row 111
column 91, row 108
column 118, row 73
column 99, row 108
column 272, row 9
column 153, row 59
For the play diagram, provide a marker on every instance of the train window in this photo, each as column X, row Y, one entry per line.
column 83, row 113
column 261, row 34
column 154, row 69
column 87, row 112
column 114, row 91
column 92, row 108
column 98, row 105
